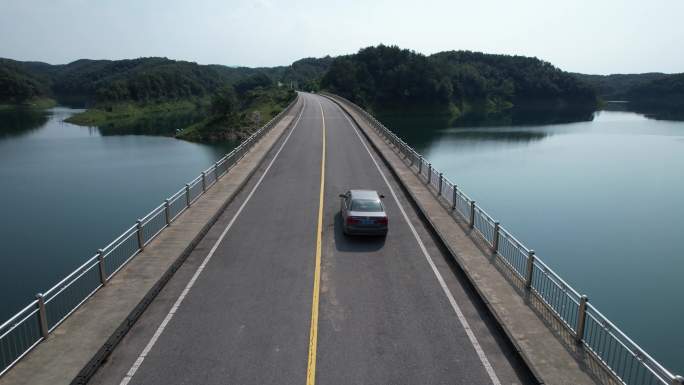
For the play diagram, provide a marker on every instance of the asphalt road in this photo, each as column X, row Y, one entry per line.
column 241, row 309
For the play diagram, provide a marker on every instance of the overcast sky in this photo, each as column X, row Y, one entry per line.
column 590, row 36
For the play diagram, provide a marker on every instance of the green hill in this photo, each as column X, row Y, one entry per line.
column 668, row 90
column 463, row 82
column 18, row 85
column 618, row 86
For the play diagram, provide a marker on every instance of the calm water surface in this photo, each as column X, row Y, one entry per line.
column 68, row 190
column 601, row 202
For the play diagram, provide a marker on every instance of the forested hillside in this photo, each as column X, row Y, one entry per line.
column 138, row 80
column 96, row 82
column 390, row 77
column 618, row 86
column 19, row 85
column 668, row 90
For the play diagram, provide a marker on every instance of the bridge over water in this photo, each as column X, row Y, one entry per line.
column 244, row 276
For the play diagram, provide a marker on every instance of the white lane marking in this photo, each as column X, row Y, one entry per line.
column 464, row 322
column 162, row 326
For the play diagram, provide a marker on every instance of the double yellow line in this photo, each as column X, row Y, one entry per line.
column 313, row 333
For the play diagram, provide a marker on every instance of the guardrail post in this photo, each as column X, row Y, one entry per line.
column 42, row 315
column 216, row 170
column 581, row 319
column 454, row 195
column 420, row 164
column 167, row 211
column 141, row 240
column 678, row 380
column 530, row 265
column 495, row 241
column 429, row 173
column 471, row 222
column 441, row 178
column 204, row 181
column 101, row 264
column 187, row 195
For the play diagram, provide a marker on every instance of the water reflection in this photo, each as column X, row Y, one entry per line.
column 585, row 196
column 498, row 135
column 519, row 116
column 660, row 111
column 68, row 190
column 421, row 129
column 20, row 121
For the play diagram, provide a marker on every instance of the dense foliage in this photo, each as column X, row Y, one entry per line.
column 252, row 82
column 618, row 86
column 306, row 74
column 656, row 95
column 390, row 77
column 139, row 80
column 668, row 90
column 19, row 85
column 233, row 118
column 99, row 82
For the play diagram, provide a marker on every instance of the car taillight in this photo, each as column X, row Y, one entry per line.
column 352, row 220
column 381, row 221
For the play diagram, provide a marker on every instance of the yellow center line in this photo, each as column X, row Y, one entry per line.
column 313, row 334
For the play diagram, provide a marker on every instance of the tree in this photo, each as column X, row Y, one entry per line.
column 224, row 102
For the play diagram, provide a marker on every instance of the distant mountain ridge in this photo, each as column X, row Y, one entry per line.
column 19, row 83
column 381, row 76
column 618, row 86
column 88, row 82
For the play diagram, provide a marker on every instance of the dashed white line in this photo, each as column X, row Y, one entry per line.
column 464, row 322
column 131, row 372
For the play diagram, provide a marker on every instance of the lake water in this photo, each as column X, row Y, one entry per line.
column 601, row 202
column 68, row 190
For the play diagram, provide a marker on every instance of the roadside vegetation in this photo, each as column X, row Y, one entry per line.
column 235, row 112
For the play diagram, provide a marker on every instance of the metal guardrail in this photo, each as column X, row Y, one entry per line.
column 618, row 354
column 33, row 324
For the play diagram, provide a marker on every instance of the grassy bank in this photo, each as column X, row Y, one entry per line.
column 129, row 113
column 38, row 104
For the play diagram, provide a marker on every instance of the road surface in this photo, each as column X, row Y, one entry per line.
column 276, row 294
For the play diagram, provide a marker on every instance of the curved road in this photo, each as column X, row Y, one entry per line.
column 276, row 294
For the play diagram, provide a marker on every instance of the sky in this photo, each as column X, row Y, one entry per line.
column 597, row 36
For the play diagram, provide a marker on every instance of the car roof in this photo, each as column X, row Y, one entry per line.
column 364, row 194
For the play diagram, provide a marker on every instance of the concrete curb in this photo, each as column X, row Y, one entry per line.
column 91, row 367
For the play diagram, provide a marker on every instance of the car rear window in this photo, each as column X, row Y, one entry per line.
column 366, row 205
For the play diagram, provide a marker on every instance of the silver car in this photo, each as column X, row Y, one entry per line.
column 363, row 213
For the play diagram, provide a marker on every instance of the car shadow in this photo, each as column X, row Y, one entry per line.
column 355, row 243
